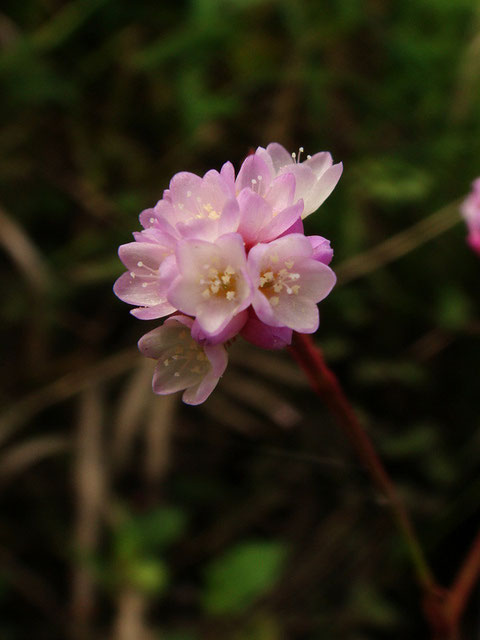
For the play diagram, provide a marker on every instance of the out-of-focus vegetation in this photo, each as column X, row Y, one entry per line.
column 131, row 517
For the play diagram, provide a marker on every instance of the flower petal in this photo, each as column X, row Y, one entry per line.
column 254, row 174
column 279, row 155
column 323, row 188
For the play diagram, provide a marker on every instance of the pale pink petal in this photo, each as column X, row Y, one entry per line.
column 185, row 295
column 230, row 218
column 316, row 279
column 281, row 192
column 254, row 174
column 264, row 309
column 138, row 290
column 213, row 316
column 255, row 213
column 184, row 186
column 280, row 156
column 151, row 313
column 143, row 257
column 199, row 393
column 233, row 249
column 265, row 156
column 319, row 162
column 154, row 343
column 323, row 188
column 193, row 253
column 300, row 314
column 305, row 180
column 229, row 332
column 228, row 173
column 177, row 376
column 281, row 222
column 218, row 359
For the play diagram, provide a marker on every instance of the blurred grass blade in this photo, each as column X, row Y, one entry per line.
column 130, row 411
column 24, row 254
column 89, row 480
column 21, row 456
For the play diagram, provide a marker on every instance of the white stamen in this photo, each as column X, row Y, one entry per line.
column 139, row 263
column 230, row 295
column 189, row 193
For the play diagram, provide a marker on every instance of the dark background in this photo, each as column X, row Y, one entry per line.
column 134, row 517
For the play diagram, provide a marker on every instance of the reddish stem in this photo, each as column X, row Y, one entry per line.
column 326, row 385
column 443, row 608
column 464, row 582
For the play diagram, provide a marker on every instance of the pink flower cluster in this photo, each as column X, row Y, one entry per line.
column 471, row 212
column 224, row 255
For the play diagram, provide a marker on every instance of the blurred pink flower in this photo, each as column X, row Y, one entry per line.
column 471, row 212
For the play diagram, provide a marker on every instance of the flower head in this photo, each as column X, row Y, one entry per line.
column 228, row 256
column 471, row 212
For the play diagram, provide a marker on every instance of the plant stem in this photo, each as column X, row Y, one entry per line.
column 326, row 385
column 464, row 582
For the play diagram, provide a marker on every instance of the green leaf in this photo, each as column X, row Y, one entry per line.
column 242, row 575
column 146, row 533
column 148, row 575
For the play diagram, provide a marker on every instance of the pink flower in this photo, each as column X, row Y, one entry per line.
column 213, row 284
column 288, row 282
column 182, row 362
column 193, row 207
column 471, row 212
column 315, row 178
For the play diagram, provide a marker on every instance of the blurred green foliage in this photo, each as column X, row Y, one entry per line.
column 235, row 580
column 102, row 102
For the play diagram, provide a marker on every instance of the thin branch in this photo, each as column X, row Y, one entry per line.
column 400, row 244
column 465, row 581
column 326, row 385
